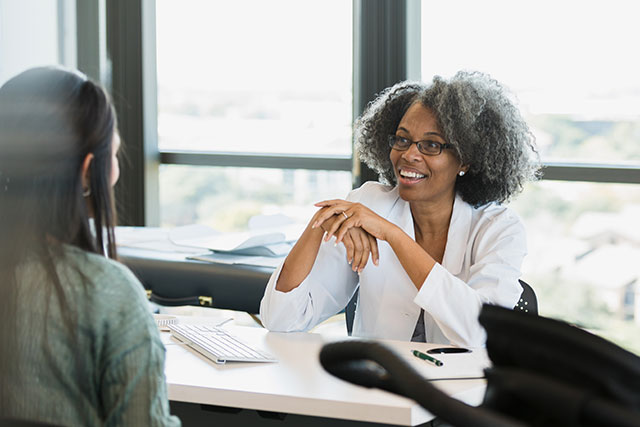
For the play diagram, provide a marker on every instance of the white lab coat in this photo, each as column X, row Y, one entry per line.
column 481, row 264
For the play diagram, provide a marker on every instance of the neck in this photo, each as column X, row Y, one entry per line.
column 432, row 218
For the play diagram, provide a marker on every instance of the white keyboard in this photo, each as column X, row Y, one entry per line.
column 217, row 344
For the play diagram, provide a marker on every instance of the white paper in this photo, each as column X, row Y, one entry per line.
column 228, row 258
column 205, row 237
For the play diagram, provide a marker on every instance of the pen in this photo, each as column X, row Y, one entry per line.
column 421, row 355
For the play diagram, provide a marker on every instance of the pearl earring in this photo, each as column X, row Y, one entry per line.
column 461, row 173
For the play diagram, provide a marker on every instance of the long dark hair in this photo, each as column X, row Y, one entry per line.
column 50, row 120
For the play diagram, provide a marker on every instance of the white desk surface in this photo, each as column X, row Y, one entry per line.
column 297, row 383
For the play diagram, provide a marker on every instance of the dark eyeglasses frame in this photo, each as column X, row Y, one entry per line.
column 394, row 139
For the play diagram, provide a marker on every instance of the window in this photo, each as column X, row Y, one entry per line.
column 280, row 72
column 571, row 67
column 35, row 33
column 252, row 84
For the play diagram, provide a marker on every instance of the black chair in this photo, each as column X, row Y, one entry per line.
column 545, row 373
column 528, row 303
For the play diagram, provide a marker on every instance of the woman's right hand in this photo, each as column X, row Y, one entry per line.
column 358, row 243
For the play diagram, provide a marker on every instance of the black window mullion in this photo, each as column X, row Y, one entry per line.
column 380, row 58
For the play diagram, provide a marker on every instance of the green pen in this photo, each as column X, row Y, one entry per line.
column 423, row 356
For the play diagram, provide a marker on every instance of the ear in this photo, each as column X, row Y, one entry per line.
column 463, row 169
column 86, row 175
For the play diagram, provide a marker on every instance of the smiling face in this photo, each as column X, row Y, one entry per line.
column 420, row 177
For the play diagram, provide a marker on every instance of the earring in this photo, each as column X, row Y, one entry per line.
column 461, row 173
column 86, row 192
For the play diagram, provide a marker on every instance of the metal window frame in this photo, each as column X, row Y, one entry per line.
column 131, row 77
column 588, row 172
column 386, row 50
column 257, row 160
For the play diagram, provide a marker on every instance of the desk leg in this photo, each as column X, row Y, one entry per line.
column 196, row 415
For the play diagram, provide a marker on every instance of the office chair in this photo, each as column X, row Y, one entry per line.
column 528, row 303
column 545, row 373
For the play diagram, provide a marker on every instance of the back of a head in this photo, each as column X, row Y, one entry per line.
column 50, row 120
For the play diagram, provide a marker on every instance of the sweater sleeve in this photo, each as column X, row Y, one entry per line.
column 133, row 385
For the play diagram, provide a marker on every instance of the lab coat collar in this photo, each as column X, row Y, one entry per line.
column 457, row 236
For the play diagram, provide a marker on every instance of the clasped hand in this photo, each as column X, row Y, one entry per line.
column 355, row 226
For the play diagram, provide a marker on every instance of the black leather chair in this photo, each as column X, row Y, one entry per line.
column 528, row 303
column 545, row 373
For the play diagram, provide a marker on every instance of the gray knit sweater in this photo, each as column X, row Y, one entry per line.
column 104, row 364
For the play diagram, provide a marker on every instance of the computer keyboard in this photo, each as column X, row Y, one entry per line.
column 218, row 344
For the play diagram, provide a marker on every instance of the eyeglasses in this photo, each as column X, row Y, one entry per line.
column 428, row 147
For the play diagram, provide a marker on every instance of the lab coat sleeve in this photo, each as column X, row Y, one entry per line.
column 497, row 252
column 324, row 292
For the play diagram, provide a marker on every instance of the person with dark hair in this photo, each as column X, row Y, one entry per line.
column 79, row 344
column 448, row 153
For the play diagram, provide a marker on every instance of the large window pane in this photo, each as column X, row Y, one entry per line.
column 255, row 76
column 35, row 33
column 572, row 65
column 584, row 255
column 225, row 198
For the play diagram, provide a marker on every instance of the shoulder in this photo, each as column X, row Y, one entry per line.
column 494, row 218
column 374, row 195
column 109, row 280
column 112, row 299
column 496, row 213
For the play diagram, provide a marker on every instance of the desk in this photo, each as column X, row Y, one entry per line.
column 297, row 385
column 172, row 275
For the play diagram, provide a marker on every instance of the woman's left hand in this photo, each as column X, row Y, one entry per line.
column 350, row 215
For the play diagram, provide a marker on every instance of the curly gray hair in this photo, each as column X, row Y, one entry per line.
column 476, row 116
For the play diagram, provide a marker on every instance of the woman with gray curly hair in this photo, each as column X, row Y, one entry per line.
column 448, row 154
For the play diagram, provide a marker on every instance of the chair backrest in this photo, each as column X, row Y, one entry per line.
column 350, row 311
column 527, row 303
column 545, row 372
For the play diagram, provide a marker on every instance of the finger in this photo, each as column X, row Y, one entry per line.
column 329, row 202
column 340, row 219
column 327, row 223
column 346, row 223
column 327, row 212
column 349, row 246
column 373, row 244
column 357, row 251
column 323, row 215
column 364, row 255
